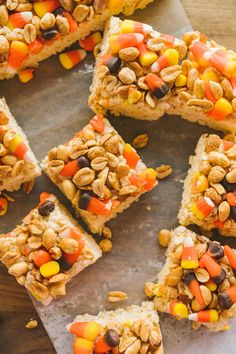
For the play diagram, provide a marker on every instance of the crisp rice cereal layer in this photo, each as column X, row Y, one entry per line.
column 17, row 162
column 99, row 173
column 47, row 249
column 175, row 280
column 144, row 74
column 136, row 329
column 208, row 197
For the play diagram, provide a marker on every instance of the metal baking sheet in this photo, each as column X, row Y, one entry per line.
column 51, row 109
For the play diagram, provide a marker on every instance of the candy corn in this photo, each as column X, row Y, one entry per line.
column 149, row 176
column 97, row 123
column 189, row 259
column 212, row 286
column 130, row 156
column 72, row 167
column 110, row 340
column 199, row 50
column 72, row 257
column 170, row 40
column 26, row 75
column 94, row 205
column 72, row 22
column 87, row 330
column 230, row 254
column 70, row 59
column 156, row 85
column 178, row 310
column 168, row 58
column 210, row 316
column 42, row 7
column 214, row 269
column 19, row 148
column 227, row 298
column 19, row 19
column 221, row 109
column 202, row 208
column 90, row 42
column 41, row 257
column 120, row 41
column 209, row 75
column 233, row 84
column 83, row 346
column 191, row 280
column 17, row 53
column 129, row 26
column 222, row 63
column 146, row 57
column 3, row 206
column 36, row 46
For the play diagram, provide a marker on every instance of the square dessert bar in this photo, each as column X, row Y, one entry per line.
column 144, row 74
column 197, row 281
column 134, row 330
column 17, row 162
column 209, row 198
column 33, row 31
column 47, row 249
column 99, row 173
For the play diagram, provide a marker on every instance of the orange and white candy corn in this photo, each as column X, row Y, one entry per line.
column 90, row 42
column 26, row 75
column 17, row 54
column 189, row 259
column 87, row 330
column 216, row 272
column 120, row 41
column 129, row 26
column 210, row 316
column 70, row 59
column 45, row 6
column 146, row 57
column 19, row 148
column 178, row 310
column 168, row 58
column 83, row 346
column 202, row 208
column 19, row 19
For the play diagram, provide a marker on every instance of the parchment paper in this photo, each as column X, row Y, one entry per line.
column 51, row 109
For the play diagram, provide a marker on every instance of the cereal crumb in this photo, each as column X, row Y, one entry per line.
column 115, row 296
column 31, row 324
column 105, row 245
column 106, row 232
column 148, row 208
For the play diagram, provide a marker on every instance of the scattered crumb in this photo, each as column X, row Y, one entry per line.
column 148, row 208
column 8, row 197
column 105, row 245
column 31, row 324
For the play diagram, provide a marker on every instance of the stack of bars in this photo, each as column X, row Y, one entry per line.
column 33, row 31
column 144, row 74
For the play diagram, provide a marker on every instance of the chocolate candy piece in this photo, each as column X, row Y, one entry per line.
column 225, row 301
column 84, row 201
column 189, row 277
column 215, row 250
column 50, row 33
column 160, row 92
column 46, row 208
column 230, row 187
column 83, row 162
column 233, row 212
column 112, row 338
column 114, row 64
column 63, row 265
column 59, row 11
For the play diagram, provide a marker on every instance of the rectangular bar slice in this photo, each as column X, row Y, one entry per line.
column 144, row 74
column 47, row 249
column 17, row 162
column 99, row 173
column 32, row 32
column 197, row 281
column 134, row 330
column 209, row 189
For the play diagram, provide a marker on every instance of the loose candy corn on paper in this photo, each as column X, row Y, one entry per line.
column 52, row 107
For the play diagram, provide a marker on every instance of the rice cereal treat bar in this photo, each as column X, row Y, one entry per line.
column 17, row 162
column 197, row 281
column 99, row 173
column 131, row 331
column 144, row 74
column 209, row 198
column 31, row 31
column 47, row 249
